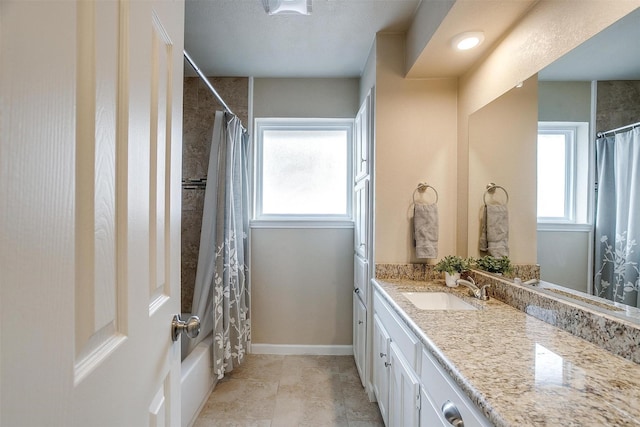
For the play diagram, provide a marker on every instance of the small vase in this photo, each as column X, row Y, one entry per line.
column 450, row 279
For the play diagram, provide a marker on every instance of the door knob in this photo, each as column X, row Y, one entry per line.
column 191, row 327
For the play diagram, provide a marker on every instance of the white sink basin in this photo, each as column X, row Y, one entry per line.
column 437, row 301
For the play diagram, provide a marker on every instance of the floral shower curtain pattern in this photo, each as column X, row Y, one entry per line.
column 221, row 298
column 617, row 257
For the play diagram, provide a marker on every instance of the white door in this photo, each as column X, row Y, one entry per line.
column 404, row 391
column 359, row 335
column 381, row 365
column 90, row 155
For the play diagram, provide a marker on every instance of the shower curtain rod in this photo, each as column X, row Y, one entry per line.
column 206, row 81
column 617, row 129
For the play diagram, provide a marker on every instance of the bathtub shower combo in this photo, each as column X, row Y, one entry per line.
column 221, row 294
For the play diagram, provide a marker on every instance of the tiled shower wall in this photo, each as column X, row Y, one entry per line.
column 199, row 109
column 618, row 104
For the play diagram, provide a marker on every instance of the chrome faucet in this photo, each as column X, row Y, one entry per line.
column 480, row 293
column 532, row 282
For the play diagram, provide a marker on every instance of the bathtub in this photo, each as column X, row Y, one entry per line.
column 197, row 379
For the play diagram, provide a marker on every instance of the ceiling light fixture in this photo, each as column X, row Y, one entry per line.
column 467, row 40
column 283, row 7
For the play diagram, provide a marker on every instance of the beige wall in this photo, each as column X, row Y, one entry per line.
column 302, row 279
column 564, row 258
column 415, row 141
column 564, row 101
column 551, row 29
column 333, row 98
column 502, row 149
column 302, row 286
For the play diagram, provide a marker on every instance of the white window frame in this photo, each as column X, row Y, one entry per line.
column 262, row 220
column 576, row 212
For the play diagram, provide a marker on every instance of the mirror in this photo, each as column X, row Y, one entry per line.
column 502, row 148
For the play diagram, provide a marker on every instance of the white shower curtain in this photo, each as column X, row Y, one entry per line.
column 221, row 298
column 617, row 257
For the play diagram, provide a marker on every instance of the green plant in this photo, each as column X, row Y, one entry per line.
column 494, row 264
column 452, row 264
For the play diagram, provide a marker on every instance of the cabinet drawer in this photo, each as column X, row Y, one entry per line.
column 406, row 340
column 441, row 388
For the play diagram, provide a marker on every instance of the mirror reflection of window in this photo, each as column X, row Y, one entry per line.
column 555, row 174
column 563, row 172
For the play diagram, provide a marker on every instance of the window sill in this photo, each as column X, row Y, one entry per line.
column 550, row 226
column 301, row 224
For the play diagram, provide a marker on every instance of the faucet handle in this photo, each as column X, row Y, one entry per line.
column 483, row 292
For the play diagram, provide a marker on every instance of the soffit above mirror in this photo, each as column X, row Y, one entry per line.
column 494, row 18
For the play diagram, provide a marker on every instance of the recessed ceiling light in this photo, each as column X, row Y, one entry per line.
column 280, row 7
column 467, row 40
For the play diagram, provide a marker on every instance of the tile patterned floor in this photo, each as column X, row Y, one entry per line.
column 291, row 391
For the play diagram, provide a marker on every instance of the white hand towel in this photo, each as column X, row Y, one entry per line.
column 494, row 234
column 425, row 224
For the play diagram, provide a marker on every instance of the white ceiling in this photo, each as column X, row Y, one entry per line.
column 237, row 37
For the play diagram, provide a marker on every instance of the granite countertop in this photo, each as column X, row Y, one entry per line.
column 521, row 371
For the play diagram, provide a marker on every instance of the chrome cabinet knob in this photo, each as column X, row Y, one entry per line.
column 356, row 290
column 452, row 414
column 383, row 355
column 387, row 364
column 191, row 327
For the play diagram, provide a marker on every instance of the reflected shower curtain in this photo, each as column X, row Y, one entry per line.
column 221, row 298
column 617, row 256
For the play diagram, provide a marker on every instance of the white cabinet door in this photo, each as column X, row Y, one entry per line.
column 404, row 391
column 361, row 278
column 361, row 219
column 359, row 335
column 429, row 414
column 362, row 139
column 90, row 212
column 380, row 350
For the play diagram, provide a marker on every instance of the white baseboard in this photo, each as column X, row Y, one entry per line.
column 316, row 350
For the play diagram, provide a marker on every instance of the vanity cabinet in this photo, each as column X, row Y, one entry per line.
column 410, row 386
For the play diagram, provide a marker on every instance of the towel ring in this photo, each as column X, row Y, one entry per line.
column 422, row 187
column 491, row 188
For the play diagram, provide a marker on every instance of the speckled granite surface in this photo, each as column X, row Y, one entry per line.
column 427, row 272
column 616, row 329
column 521, row 371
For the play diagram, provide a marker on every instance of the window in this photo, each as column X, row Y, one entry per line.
column 303, row 170
column 563, row 160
